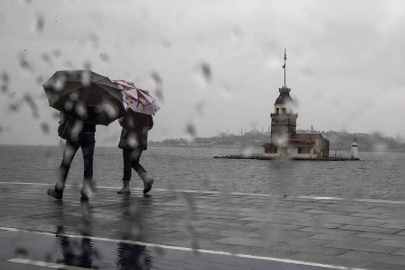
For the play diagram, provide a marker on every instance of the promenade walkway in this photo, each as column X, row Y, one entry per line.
column 196, row 230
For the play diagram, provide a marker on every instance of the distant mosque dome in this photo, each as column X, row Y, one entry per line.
column 255, row 131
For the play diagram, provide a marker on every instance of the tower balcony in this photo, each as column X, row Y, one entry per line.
column 283, row 115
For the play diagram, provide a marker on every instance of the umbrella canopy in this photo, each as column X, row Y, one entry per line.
column 85, row 95
column 137, row 99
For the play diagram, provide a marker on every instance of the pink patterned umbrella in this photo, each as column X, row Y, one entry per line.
column 137, row 99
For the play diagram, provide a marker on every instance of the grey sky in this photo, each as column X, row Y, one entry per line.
column 345, row 66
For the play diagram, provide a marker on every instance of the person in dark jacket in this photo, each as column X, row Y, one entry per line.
column 81, row 135
column 133, row 141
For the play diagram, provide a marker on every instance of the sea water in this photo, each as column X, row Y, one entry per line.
column 375, row 176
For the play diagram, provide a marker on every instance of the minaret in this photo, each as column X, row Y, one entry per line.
column 283, row 119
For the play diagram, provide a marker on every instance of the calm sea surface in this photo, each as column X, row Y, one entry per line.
column 376, row 176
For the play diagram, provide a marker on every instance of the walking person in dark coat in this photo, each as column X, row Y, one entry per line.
column 77, row 135
column 133, row 142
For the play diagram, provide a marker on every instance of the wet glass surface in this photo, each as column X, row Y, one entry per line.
column 215, row 69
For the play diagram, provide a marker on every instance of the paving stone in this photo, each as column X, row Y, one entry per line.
column 361, row 246
column 390, row 243
column 383, row 266
column 402, row 232
column 381, row 236
column 369, row 229
column 351, row 239
column 242, row 241
column 316, row 250
column 399, row 226
column 331, row 260
column 337, row 232
column 376, row 257
column 327, row 231
column 399, row 252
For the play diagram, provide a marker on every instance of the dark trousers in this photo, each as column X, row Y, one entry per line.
column 87, row 142
column 131, row 161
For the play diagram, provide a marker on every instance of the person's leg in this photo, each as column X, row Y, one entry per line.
column 147, row 181
column 87, row 143
column 135, row 156
column 68, row 155
column 126, row 156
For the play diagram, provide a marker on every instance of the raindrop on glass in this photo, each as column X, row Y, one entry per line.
column 104, row 57
column 40, row 23
column 56, row 53
column 85, row 77
column 191, row 130
column 45, row 128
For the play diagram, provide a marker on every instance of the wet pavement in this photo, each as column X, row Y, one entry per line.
column 196, row 230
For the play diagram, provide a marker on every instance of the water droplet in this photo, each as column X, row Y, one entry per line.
column 237, row 35
column 87, row 65
column 40, row 23
column 68, row 105
column 308, row 72
column 159, row 251
column 203, row 75
column 132, row 141
column 24, row 64
column 20, row 251
column 45, row 128
column 206, row 70
column 166, row 44
column 13, row 107
column 85, row 75
column 107, row 108
column 199, row 107
column 159, row 86
column 5, row 78
column 94, row 40
column 59, row 83
column 156, row 78
column 33, row 106
column 4, row 88
column 56, row 53
column 68, row 64
column 46, row 58
column 40, row 80
column 81, row 110
column 191, row 130
column 104, row 57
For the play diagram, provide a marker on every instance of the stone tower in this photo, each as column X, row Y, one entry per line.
column 284, row 118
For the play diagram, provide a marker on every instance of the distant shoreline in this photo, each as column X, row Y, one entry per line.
column 259, row 149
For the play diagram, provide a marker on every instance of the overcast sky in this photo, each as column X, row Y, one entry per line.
column 345, row 67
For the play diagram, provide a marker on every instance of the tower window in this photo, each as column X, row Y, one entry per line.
column 277, row 110
column 304, row 150
column 284, row 110
column 271, row 150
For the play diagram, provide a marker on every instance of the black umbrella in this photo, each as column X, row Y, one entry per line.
column 85, row 95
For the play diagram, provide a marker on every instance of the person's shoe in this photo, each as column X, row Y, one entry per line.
column 86, row 192
column 57, row 194
column 147, row 182
column 125, row 188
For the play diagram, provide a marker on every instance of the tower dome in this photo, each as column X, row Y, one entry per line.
column 284, row 97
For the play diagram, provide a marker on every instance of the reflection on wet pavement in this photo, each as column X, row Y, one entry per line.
column 193, row 230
